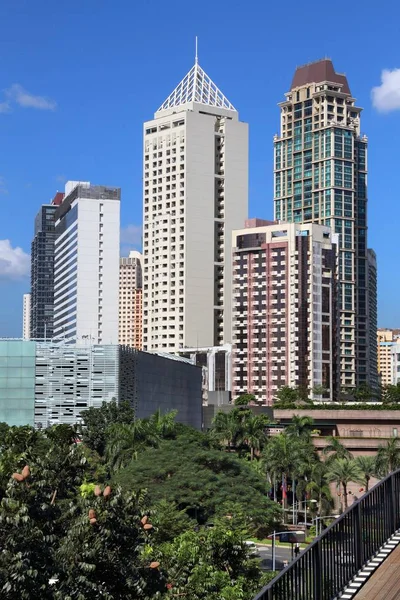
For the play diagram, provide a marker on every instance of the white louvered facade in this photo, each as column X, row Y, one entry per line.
column 70, row 379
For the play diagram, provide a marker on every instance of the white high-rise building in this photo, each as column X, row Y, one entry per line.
column 26, row 317
column 86, row 264
column 195, row 195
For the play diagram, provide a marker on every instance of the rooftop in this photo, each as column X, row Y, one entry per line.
column 317, row 72
column 196, row 86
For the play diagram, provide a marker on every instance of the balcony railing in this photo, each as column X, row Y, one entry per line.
column 326, row 566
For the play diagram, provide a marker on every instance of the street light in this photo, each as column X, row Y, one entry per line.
column 273, row 536
column 316, row 519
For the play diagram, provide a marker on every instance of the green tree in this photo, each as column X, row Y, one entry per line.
column 391, row 394
column 125, row 441
column 169, row 521
column 211, row 565
column 253, row 433
column 318, row 489
column 284, row 457
column 363, row 393
column 164, row 425
column 343, row 471
column 301, row 426
column 388, row 457
column 287, row 395
column 108, row 554
column 199, row 479
column 27, row 521
column 335, row 449
column 225, row 428
column 367, row 466
column 245, row 399
column 96, row 421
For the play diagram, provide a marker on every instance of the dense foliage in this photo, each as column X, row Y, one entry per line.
column 66, row 533
column 150, row 509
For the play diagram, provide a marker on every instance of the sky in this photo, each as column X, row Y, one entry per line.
column 79, row 78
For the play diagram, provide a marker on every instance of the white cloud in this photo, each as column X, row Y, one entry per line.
column 131, row 234
column 4, row 107
column 386, row 97
column 16, row 93
column 14, row 262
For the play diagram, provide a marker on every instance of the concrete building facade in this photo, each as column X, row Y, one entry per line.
column 26, row 317
column 216, row 363
column 285, row 315
column 130, row 300
column 86, row 268
column 195, row 194
column 385, row 342
column 321, row 177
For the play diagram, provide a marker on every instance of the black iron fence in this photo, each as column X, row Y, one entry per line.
column 327, row 565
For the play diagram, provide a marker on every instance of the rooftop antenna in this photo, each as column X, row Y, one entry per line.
column 196, row 58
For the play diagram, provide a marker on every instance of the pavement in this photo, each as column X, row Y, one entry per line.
column 282, row 554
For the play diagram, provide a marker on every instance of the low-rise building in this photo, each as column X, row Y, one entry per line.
column 46, row 383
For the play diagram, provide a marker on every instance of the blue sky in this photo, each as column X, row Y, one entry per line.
column 78, row 78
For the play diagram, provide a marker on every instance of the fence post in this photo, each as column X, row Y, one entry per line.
column 317, row 571
column 392, row 504
column 359, row 554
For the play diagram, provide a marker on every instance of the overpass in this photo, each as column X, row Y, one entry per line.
column 350, row 554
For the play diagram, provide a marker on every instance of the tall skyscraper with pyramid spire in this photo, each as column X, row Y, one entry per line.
column 195, row 194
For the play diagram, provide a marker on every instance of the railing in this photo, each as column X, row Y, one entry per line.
column 327, row 565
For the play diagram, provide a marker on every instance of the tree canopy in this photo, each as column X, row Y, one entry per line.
column 199, row 480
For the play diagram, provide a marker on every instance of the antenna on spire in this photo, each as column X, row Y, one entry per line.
column 196, row 58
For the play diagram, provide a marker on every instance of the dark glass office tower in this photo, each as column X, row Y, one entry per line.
column 42, row 271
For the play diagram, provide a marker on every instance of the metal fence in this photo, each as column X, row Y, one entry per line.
column 327, row 565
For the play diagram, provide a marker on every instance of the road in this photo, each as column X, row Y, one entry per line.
column 283, row 553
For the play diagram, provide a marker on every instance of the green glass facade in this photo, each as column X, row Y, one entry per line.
column 321, row 177
column 17, row 382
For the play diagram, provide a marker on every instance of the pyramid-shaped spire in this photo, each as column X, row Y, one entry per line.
column 196, row 86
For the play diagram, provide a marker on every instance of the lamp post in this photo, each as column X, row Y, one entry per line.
column 316, row 519
column 305, row 511
column 273, row 536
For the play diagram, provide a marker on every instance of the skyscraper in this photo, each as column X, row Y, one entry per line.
column 26, row 317
column 321, row 177
column 86, row 267
column 195, row 193
column 42, row 271
column 130, row 300
column 284, row 321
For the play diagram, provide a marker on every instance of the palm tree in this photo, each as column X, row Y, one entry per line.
column 163, row 425
column 300, row 426
column 388, row 457
column 225, row 428
column 367, row 466
column 336, row 448
column 283, row 456
column 125, row 440
column 343, row 471
column 318, row 489
column 253, row 433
